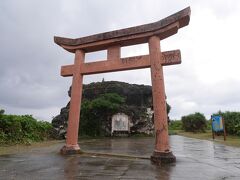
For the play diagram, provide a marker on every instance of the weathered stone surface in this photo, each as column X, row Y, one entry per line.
column 138, row 103
column 70, row 150
column 59, row 123
column 160, row 158
column 136, row 95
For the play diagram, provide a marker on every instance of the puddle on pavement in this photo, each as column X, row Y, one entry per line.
column 196, row 159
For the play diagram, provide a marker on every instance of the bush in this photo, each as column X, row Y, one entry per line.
column 95, row 112
column 1, row 111
column 22, row 129
column 175, row 125
column 194, row 122
column 232, row 122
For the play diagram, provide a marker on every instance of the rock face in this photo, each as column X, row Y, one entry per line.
column 138, row 103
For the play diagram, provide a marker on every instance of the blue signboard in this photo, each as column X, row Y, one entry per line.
column 217, row 123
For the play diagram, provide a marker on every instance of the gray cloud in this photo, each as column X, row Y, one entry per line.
column 30, row 81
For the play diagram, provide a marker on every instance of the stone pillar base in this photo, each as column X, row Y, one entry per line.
column 72, row 149
column 162, row 157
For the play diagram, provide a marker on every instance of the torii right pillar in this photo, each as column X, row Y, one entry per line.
column 162, row 153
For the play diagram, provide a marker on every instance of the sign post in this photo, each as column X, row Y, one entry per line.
column 218, row 125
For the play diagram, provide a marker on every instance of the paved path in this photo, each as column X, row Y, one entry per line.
column 196, row 159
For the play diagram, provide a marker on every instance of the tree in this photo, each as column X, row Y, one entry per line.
column 168, row 108
column 94, row 113
column 232, row 122
column 1, row 111
column 194, row 122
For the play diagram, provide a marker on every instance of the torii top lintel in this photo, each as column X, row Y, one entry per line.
column 129, row 36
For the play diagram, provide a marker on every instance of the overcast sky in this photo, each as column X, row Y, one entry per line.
column 208, row 79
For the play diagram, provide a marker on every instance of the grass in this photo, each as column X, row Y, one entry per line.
column 230, row 140
column 19, row 148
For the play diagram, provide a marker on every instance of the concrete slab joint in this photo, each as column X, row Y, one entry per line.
column 112, row 42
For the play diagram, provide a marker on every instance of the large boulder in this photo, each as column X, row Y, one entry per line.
column 138, row 103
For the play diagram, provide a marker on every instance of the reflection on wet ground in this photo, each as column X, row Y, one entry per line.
column 196, row 159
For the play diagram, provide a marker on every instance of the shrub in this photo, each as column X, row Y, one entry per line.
column 1, row 111
column 22, row 129
column 209, row 125
column 95, row 112
column 232, row 122
column 194, row 122
column 175, row 125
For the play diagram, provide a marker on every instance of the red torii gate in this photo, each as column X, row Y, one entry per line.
column 113, row 41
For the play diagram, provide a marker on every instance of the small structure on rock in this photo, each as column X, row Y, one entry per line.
column 120, row 124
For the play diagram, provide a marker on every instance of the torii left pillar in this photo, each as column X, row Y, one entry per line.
column 72, row 146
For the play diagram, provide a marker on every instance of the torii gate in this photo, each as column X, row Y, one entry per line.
column 113, row 41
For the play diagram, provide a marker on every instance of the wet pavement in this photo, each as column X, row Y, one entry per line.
column 196, row 159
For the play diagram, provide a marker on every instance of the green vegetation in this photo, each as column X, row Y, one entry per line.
column 232, row 122
column 194, row 122
column 175, row 125
column 1, row 112
column 168, row 108
column 197, row 123
column 93, row 112
column 15, row 129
